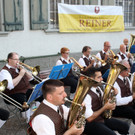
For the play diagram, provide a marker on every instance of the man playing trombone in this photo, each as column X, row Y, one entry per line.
column 18, row 79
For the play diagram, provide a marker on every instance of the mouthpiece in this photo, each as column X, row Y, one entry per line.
column 66, row 99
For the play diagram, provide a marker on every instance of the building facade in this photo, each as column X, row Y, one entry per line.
column 30, row 27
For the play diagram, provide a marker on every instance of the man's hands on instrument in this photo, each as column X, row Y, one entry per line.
column 74, row 130
column 109, row 105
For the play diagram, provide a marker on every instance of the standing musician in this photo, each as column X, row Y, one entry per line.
column 123, row 55
column 48, row 119
column 104, row 55
column 18, row 80
column 96, row 124
column 125, row 106
column 86, row 60
column 71, row 79
column 4, row 115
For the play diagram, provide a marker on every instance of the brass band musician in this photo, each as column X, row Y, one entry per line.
column 71, row 80
column 18, row 81
column 104, row 55
column 86, row 60
column 125, row 98
column 96, row 124
column 48, row 119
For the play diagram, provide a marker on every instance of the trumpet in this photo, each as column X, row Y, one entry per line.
column 103, row 63
column 3, row 86
column 34, row 70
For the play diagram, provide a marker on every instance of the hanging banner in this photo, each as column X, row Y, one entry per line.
column 90, row 18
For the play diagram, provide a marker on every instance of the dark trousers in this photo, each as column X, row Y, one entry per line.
column 4, row 114
column 106, row 128
column 71, row 81
column 125, row 112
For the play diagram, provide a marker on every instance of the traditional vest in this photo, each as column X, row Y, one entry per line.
column 21, row 87
column 96, row 105
column 87, row 61
column 64, row 62
column 107, row 66
column 122, row 56
column 53, row 115
column 125, row 88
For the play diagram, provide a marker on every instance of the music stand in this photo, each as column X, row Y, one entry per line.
column 36, row 93
column 60, row 71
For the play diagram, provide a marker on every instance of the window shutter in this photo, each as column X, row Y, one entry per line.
column 38, row 14
column 13, row 15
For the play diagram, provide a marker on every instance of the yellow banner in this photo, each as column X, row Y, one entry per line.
column 90, row 23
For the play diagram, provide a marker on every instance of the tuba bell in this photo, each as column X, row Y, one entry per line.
column 84, row 84
column 132, row 41
column 108, row 93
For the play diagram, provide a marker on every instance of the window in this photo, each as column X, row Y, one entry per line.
column 53, row 10
column 11, row 15
column 129, row 11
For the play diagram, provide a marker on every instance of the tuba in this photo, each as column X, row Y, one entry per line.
column 108, row 93
column 76, row 111
column 132, row 41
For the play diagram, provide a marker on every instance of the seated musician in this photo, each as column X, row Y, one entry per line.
column 71, row 80
column 48, row 119
column 4, row 114
column 125, row 99
column 123, row 55
column 18, row 81
column 125, row 42
column 86, row 60
column 96, row 124
column 104, row 55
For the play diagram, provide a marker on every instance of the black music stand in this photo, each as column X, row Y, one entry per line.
column 60, row 71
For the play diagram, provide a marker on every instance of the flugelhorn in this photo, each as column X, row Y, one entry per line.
column 103, row 63
column 34, row 70
column 3, row 86
column 84, row 84
column 77, row 63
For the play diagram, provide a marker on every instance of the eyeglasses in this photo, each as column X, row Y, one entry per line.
column 66, row 53
column 15, row 59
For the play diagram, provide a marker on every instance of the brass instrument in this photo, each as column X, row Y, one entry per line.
column 133, row 81
column 103, row 63
column 115, row 57
column 81, row 118
column 34, row 71
column 3, row 86
column 77, row 63
column 108, row 94
column 84, row 84
column 132, row 41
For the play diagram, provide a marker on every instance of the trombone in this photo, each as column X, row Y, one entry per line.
column 3, row 86
column 34, row 71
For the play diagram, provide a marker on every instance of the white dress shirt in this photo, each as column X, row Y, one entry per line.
column 82, row 62
column 99, row 56
column 59, row 62
column 88, row 102
column 43, row 125
column 120, row 59
column 4, row 74
column 122, row 100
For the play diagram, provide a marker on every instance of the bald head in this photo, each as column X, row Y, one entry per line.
column 125, row 41
column 122, row 48
column 107, row 46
